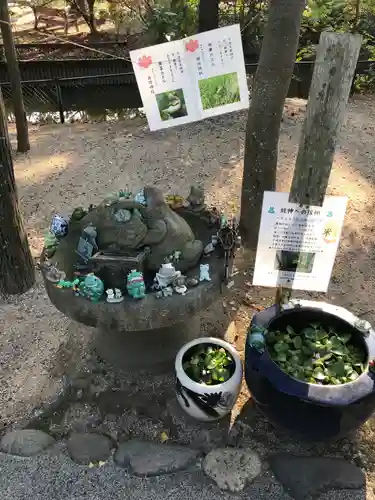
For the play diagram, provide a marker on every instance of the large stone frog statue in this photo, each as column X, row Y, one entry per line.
column 152, row 224
column 136, row 285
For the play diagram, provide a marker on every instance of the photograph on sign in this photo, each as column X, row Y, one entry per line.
column 297, row 244
column 187, row 80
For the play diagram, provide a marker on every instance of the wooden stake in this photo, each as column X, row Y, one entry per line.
column 335, row 64
column 336, row 60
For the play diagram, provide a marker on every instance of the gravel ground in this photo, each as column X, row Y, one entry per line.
column 79, row 164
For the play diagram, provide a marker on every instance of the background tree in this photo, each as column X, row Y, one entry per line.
column 23, row 144
column 16, row 264
column 208, row 16
column 87, row 11
column 271, row 84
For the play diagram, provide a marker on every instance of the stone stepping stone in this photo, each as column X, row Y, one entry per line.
column 25, row 442
column 144, row 458
column 303, row 477
column 89, row 448
column 232, row 469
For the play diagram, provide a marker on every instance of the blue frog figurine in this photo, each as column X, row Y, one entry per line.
column 59, row 226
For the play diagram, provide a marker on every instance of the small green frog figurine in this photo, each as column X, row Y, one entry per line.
column 136, row 285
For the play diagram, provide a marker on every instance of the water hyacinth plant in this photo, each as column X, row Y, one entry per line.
column 208, row 364
column 317, row 355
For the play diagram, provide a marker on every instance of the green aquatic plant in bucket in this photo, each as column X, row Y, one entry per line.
column 317, row 355
column 208, row 364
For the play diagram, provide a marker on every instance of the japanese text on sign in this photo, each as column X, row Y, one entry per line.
column 297, row 244
column 191, row 79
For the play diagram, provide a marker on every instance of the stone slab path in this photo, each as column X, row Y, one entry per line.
column 53, row 475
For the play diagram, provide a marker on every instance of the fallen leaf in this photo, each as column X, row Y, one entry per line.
column 248, row 303
column 164, row 437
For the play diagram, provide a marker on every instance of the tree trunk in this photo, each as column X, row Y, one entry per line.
column 16, row 264
column 208, row 16
column 86, row 9
column 271, row 84
column 23, row 144
column 357, row 12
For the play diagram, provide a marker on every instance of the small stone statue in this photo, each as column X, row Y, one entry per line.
column 140, row 197
column 50, row 244
column 136, row 285
column 164, row 292
column 214, row 240
column 179, row 285
column 110, row 199
column 90, row 234
column 52, row 273
column 92, row 287
column 208, row 249
column 196, row 199
column 166, row 275
column 114, row 296
column 204, row 272
column 192, row 282
column 59, row 226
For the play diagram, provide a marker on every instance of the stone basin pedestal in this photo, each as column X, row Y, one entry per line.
column 143, row 334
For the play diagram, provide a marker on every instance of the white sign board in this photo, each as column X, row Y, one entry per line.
column 297, row 244
column 191, row 79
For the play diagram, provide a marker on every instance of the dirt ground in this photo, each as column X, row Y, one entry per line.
column 73, row 165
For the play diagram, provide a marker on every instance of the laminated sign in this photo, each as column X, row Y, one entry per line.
column 191, row 79
column 297, row 244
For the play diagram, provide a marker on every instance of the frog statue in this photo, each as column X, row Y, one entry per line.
column 92, row 288
column 136, row 285
column 153, row 224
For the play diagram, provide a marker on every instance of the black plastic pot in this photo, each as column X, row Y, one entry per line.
column 317, row 411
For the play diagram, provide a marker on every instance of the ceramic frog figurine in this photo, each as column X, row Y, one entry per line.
column 257, row 338
column 50, row 244
column 92, row 288
column 136, row 285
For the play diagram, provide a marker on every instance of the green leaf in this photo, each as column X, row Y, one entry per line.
column 309, row 333
column 321, row 334
column 281, row 356
column 353, row 376
column 315, row 326
column 297, row 341
column 337, row 369
column 318, row 373
column 345, row 337
column 306, row 350
column 290, row 330
column 326, row 357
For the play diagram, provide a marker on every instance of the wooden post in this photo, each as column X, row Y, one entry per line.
column 335, row 64
column 16, row 264
column 336, row 60
column 23, row 144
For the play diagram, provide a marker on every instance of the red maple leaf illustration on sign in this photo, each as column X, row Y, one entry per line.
column 192, row 45
column 145, row 61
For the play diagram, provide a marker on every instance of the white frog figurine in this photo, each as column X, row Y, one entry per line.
column 166, row 275
column 204, row 272
column 114, row 296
